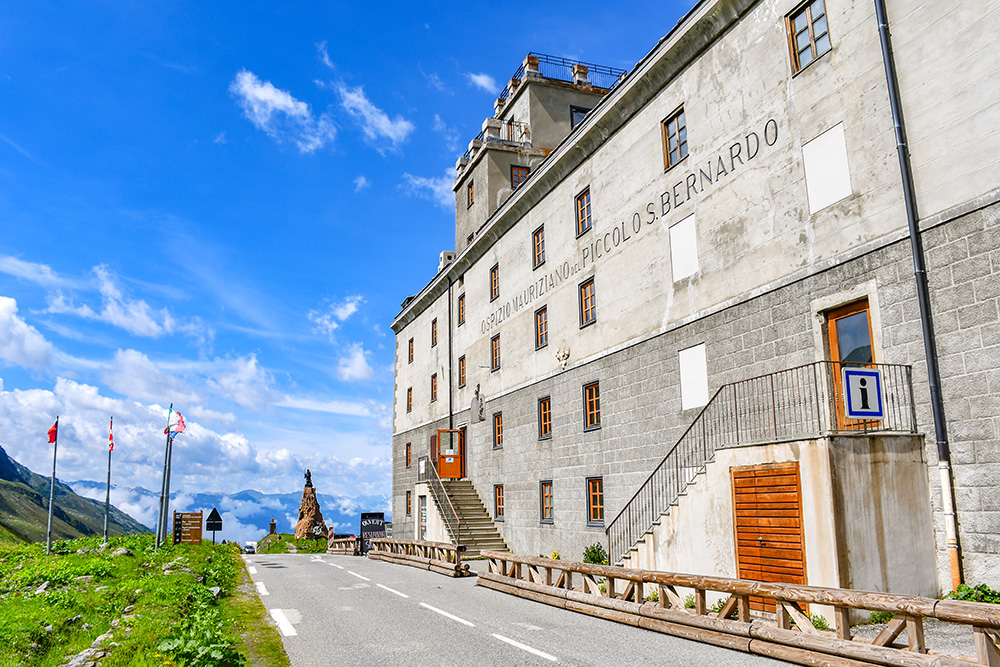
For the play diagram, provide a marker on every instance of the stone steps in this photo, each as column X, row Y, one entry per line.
column 477, row 530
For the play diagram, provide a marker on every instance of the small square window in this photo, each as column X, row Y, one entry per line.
column 588, row 303
column 675, row 144
column 595, row 501
column 538, row 247
column 541, row 327
column 497, row 430
column 498, row 502
column 409, row 354
column 495, row 282
column 461, row 309
column 583, row 222
column 495, row 353
column 409, row 449
column 434, row 387
column 576, row 116
column 544, row 418
column 461, row 371
column 409, row 399
column 434, row 332
column 545, row 500
column 808, row 34
column 518, row 175
column 470, row 194
column 591, row 406
column 409, row 502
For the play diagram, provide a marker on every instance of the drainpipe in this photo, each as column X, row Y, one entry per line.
column 451, row 409
column 923, row 298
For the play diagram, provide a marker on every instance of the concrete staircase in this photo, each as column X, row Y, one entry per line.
column 477, row 530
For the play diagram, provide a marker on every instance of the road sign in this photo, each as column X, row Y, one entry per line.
column 214, row 521
column 187, row 527
column 863, row 394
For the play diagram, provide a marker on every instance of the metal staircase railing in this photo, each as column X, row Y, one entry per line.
column 428, row 473
column 793, row 404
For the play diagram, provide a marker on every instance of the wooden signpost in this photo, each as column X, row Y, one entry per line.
column 187, row 527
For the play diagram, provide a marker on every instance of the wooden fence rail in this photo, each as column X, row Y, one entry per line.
column 347, row 546
column 619, row 594
column 440, row 557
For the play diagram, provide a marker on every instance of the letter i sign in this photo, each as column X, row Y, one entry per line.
column 863, row 394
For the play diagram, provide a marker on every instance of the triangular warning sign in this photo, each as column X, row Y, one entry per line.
column 214, row 516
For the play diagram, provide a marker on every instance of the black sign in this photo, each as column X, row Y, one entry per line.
column 372, row 527
column 214, row 521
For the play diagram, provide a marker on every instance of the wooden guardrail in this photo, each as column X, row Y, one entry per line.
column 345, row 546
column 440, row 557
column 618, row 594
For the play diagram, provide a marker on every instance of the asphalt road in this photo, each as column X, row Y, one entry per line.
column 343, row 610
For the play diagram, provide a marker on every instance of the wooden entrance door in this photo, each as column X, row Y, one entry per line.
column 451, row 446
column 849, row 329
column 769, row 543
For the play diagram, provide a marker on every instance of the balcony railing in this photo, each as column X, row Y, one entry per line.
column 426, row 472
column 794, row 404
column 509, row 132
column 561, row 69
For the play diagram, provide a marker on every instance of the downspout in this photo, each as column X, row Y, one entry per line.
column 923, row 298
column 451, row 380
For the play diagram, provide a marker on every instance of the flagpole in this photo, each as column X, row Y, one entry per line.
column 107, row 498
column 166, row 498
column 163, row 485
column 52, row 490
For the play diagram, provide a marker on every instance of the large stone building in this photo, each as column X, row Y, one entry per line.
column 722, row 226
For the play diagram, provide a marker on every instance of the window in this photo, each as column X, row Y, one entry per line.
column 583, row 212
column 494, row 282
column 461, row 309
column 498, row 502
column 693, row 365
column 808, row 37
column 538, row 247
column 497, row 430
column 591, row 406
column 409, row 503
column 409, row 399
column 675, row 145
column 588, row 303
column 576, row 115
column 409, row 449
column 541, row 327
column 517, row 175
column 434, row 387
column 468, row 240
column 595, row 501
column 470, row 194
column 495, row 353
column 545, row 500
column 461, row 371
column 544, row 418
column 434, row 332
column 409, row 356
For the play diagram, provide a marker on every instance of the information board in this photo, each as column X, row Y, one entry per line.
column 187, row 527
column 372, row 527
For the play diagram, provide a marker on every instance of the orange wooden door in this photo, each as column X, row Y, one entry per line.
column 769, row 541
column 450, row 454
column 849, row 330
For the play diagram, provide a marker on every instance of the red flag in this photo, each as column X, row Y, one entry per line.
column 52, row 432
column 111, row 436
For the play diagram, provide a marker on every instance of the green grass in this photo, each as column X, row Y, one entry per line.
column 173, row 618
column 282, row 543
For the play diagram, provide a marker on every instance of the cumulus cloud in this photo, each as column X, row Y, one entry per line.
column 360, row 183
column 279, row 115
column 328, row 320
column 375, row 123
column 438, row 190
column 132, row 374
column 245, row 381
column 354, row 366
column 21, row 343
column 484, row 82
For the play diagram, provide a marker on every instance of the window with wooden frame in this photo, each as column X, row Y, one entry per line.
column 541, row 327
column 544, row 418
column 545, row 500
column 591, row 406
column 495, row 282
column 409, row 399
column 495, row 353
column 808, row 34
column 498, row 502
column 583, row 221
column 538, row 247
column 409, row 502
column 461, row 371
column 595, row 501
column 409, row 450
column 675, row 144
column 518, row 175
column 588, row 303
column 576, row 116
column 497, row 430
column 470, row 194
column 434, row 387
column 461, row 309
column 434, row 332
column 409, row 354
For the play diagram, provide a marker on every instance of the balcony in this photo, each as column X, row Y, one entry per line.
column 579, row 73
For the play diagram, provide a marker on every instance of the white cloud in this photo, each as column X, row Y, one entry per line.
column 245, row 382
column 21, row 343
column 280, row 115
column 434, row 81
column 375, row 123
column 329, row 320
column 347, row 408
column 484, row 81
column 40, row 274
column 354, row 365
column 360, row 183
column 220, row 138
column 132, row 374
column 438, row 190
column 324, row 56
column 450, row 134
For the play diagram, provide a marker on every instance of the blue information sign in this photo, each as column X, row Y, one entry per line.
column 863, row 394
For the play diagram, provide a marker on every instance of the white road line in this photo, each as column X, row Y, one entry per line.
column 447, row 615
column 358, row 576
column 386, row 588
column 252, row 570
column 339, row 567
column 283, row 623
column 523, row 647
column 261, row 588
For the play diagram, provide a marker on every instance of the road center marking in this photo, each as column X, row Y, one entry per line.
column 447, row 615
column 339, row 567
column 252, row 570
column 386, row 588
column 283, row 623
column 358, row 576
column 261, row 588
column 524, row 647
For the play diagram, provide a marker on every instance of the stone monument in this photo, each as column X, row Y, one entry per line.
column 310, row 524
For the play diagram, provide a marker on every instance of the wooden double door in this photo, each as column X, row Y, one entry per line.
column 769, row 537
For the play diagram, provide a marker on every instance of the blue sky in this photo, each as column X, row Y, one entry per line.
column 222, row 205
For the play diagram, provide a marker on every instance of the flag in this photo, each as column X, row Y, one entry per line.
column 176, row 424
column 111, row 436
column 52, row 432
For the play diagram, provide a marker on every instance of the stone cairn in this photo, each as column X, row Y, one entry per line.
column 310, row 524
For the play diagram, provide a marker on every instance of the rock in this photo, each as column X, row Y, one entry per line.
column 310, row 522
column 216, row 591
column 128, row 609
column 122, row 551
column 85, row 579
column 41, row 589
column 74, row 619
column 49, row 629
column 201, row 579
column 86, row 626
